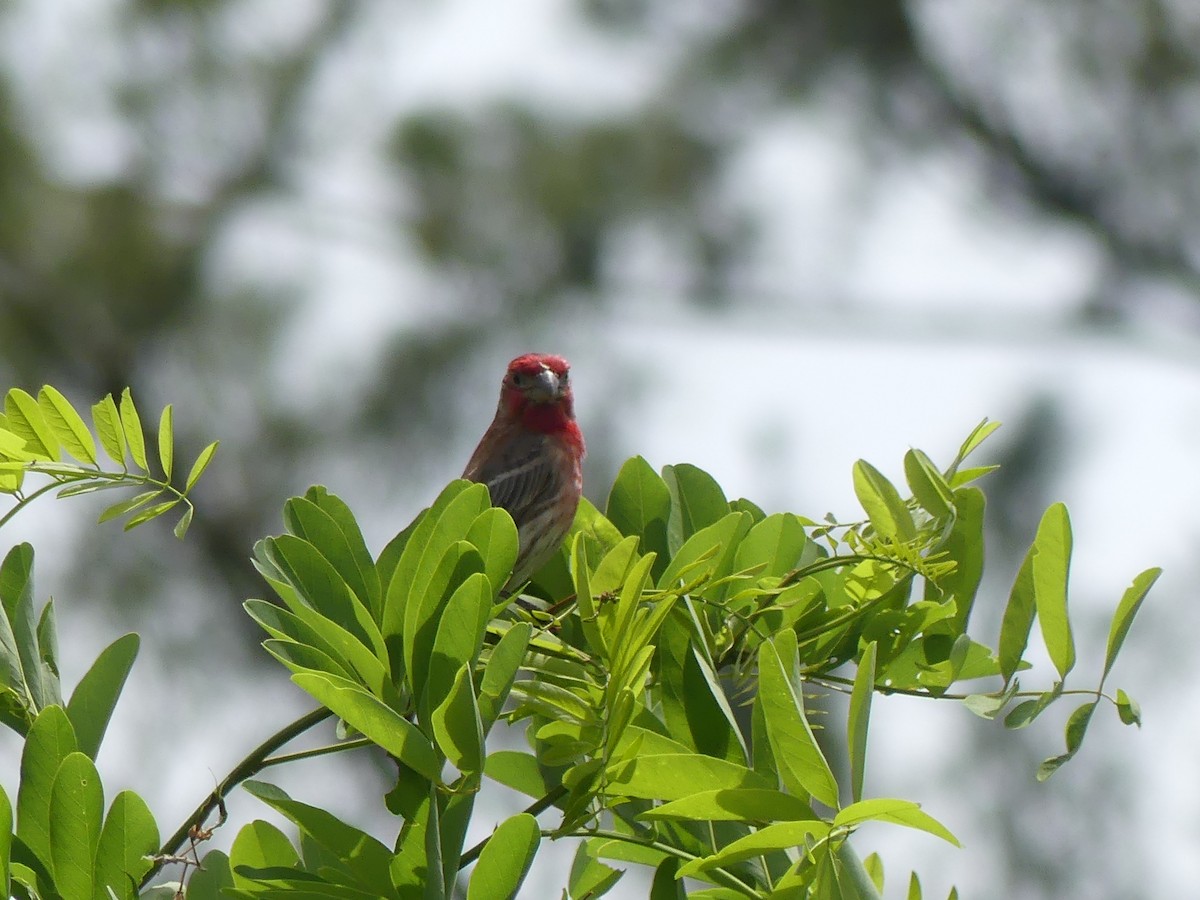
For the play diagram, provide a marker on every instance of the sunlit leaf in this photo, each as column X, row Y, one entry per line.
column 1130, row 603
column 76, row 819
column 107, row 420
column 95, row 696
column 1018, row 619
column 25, row 419
column 374, row 719
column 897, row 812
column 202, row 460
column 131, row 425
column 639, row 503
column 150, row 512
column 1128, row 709
column 749, row 805
column 66, row 424
column 802, row 765
column 779, row 836
column 859, row 718
column 166, row 440
column 1051, row 568
column 879, row 497
column 927, row 484
column 127, row 840
column 505, row 859
column 670, row 776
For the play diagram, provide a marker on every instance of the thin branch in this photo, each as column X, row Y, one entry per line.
column 538, row 806
column 251, row 765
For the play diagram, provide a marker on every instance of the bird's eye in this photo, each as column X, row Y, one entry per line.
column 565, row 376
column 520, row 379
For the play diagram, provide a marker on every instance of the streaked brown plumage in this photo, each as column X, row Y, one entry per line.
column 531, row 458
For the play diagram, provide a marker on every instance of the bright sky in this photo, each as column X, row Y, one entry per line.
column 776, row 403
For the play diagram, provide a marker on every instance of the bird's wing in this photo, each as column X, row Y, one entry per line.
column 520, row 479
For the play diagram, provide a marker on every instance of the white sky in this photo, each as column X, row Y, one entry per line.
column 777, row 404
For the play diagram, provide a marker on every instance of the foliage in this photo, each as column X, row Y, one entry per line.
column 666, row 673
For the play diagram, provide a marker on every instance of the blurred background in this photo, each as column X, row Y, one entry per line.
column 772, row 238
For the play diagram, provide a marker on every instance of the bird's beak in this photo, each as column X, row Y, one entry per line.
column 545, row 387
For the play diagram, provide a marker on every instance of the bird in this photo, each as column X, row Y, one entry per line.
column 531, row 459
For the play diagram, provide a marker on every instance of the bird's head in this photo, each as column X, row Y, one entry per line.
column 537, row 392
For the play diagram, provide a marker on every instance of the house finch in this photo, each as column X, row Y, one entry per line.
column 531, row 459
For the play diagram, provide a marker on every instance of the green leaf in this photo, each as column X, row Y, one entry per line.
column 429, row 563
column 131, row 425
column 640, row 504
column 202, row 460
column 26, row 421
column 1128, row 709
column 670, row 776
column 859, row 717
column 665, row 885
column 927, row 484
column 1051, row 569
column 1076, row 728
column 802, row 765
column 1130, row 603
column 336, row 509
column 964, row 545
column 897, row 812
column 1028, row 710
column 129, row 836
column 750, row 805
column 428, row 605
column 459, row 636
column 211, row 879
column 709, row 552
column 874, row 869
column 166, row 440
column 774, row 543
column 374, row 719
column 108, row 426
column 16, row 596
column 457, row 727
column 519, row 771
column 1018, row 619
column 50, row 741
column 779, row 836
column 66, row 424
column 286, row 625
column 116, row 510
column 185, row 521
column 495, row 537
column 6, row 841
column 338, row 542
column 697, row 501
column 974, row 439
column 590, row 878
column 259, row 845
column 363, row 861
column 505, row 859
column 95, row 696
column 694, row 706
column 150, row 512
column 76, row 818
column 878, row 496
column 501, row 670
column 325, row 591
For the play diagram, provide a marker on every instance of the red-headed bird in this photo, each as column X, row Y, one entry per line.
column 531, row 458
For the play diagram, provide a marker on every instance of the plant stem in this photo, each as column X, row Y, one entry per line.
column 251, row 765
column 316, row 751
column 541, row 805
